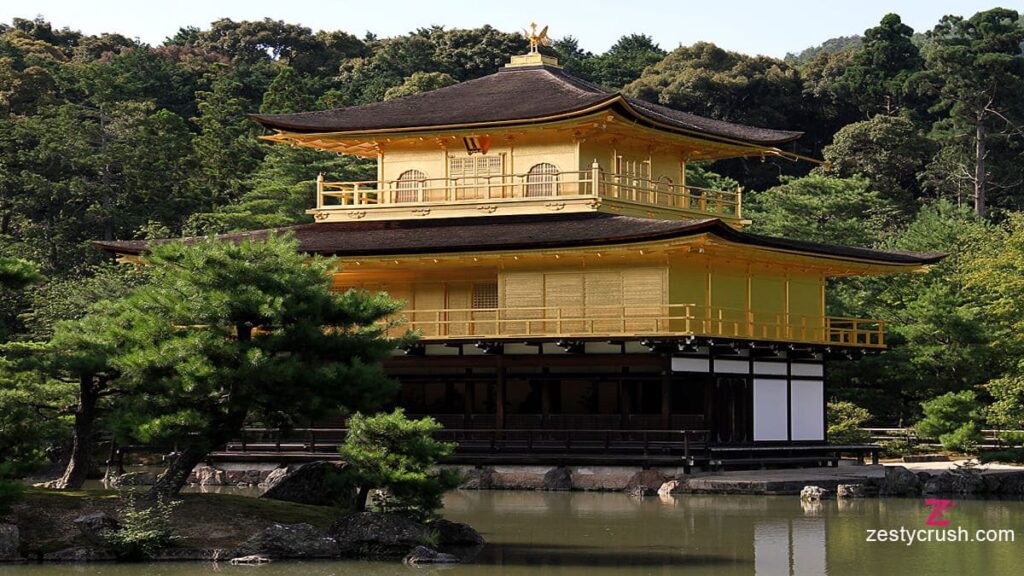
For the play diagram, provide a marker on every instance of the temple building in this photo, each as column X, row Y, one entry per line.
column 572, row 291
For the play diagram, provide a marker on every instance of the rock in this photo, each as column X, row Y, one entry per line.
column 208, row 476
column 242, row 478
column 94, row 526
column 813, row 493
column 645, row 483
column 1009, row 483
column 424, row 555
column 455, row 534
column 133, row 479
column 376, row 535
column 275, row 475
column 950, row 483
column 517, row 480
column 851, row 490
column 10, row 539
column 641, row 491
column 558, row 479
column 313, row 483
column 478, row 479
column 668, row 488
column 79, row 554
column 288, row 541
column 253, row 560
column 899, row 481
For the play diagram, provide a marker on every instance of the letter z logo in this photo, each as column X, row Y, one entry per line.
column 939, row 508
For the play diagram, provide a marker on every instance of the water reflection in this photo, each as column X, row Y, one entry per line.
column 591, row 534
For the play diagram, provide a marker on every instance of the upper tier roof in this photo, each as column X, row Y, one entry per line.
column 513, row 95
column 502, row 233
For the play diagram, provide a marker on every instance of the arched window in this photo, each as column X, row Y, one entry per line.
column 542, row 180
column 409, row 184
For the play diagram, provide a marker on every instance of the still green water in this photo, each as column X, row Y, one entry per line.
column 581, row 534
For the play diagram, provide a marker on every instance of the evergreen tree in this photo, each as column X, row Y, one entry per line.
column 887, row 150
column 230, row 333
column 875, row 81
column 975, row 70
column 392, row 453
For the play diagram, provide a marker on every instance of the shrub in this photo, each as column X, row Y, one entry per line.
column 954, row 419
column 395, row 455
column 145, row 527
column 845, row 420
column 1009, row 456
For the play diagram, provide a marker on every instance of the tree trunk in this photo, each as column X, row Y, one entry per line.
column 361, row 497
column 979, row 167
column 80, row 463
column 174, row 478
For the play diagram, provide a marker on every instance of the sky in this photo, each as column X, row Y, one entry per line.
column 752, row 27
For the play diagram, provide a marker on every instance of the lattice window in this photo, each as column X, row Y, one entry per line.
column 474, row 166
column 485, row 295
column 542, row 180
column 409, row 184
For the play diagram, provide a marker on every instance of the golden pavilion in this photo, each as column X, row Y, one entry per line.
column 574, row 294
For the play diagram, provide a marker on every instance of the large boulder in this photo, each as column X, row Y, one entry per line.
column 9, row 542
column 1009, row 483
column 558, row 479
column 899, row 481
column 376, row 535
column 813, row 493
column 854, row 490
column 315, row 483
column 424, row 555
column 94, row 527
column 208, row 476
column 952, row 483
column 478, row 479
column 645, row 483
column 281, row 541
column 455, row 534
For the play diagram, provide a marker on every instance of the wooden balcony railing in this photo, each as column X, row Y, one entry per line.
column 642, row 321
column 509, row 188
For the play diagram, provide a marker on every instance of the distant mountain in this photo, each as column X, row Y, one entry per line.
column 828, row 46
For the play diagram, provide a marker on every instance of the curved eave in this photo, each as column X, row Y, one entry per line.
column 885, row 261
column 617, row 101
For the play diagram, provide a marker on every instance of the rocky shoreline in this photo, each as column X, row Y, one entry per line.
column 286, row 524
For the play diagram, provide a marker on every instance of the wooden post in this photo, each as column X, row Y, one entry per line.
column 499, row 401
column 320, row 190
column 666, row 392
column 595, row 178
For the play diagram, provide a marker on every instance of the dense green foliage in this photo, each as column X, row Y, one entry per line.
column 845, row 423
column 104, row 137
column 954, row 419
column 225, row 333
column 396, row 455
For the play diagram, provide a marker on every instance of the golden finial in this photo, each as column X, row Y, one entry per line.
column 537, row 40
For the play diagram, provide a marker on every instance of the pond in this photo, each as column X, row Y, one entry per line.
column 593, row 534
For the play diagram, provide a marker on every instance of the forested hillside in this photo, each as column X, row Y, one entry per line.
column 102, row 137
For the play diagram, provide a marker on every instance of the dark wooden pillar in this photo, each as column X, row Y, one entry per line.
column 499, row 401
column 666, row 392
column 469, row 401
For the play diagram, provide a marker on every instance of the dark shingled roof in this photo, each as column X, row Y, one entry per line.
column 451, row 235
column 512, row 95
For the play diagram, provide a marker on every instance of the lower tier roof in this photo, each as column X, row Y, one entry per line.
column 502, row 233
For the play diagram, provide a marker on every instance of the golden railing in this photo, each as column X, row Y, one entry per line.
column 643, row 321
column 519, row 187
